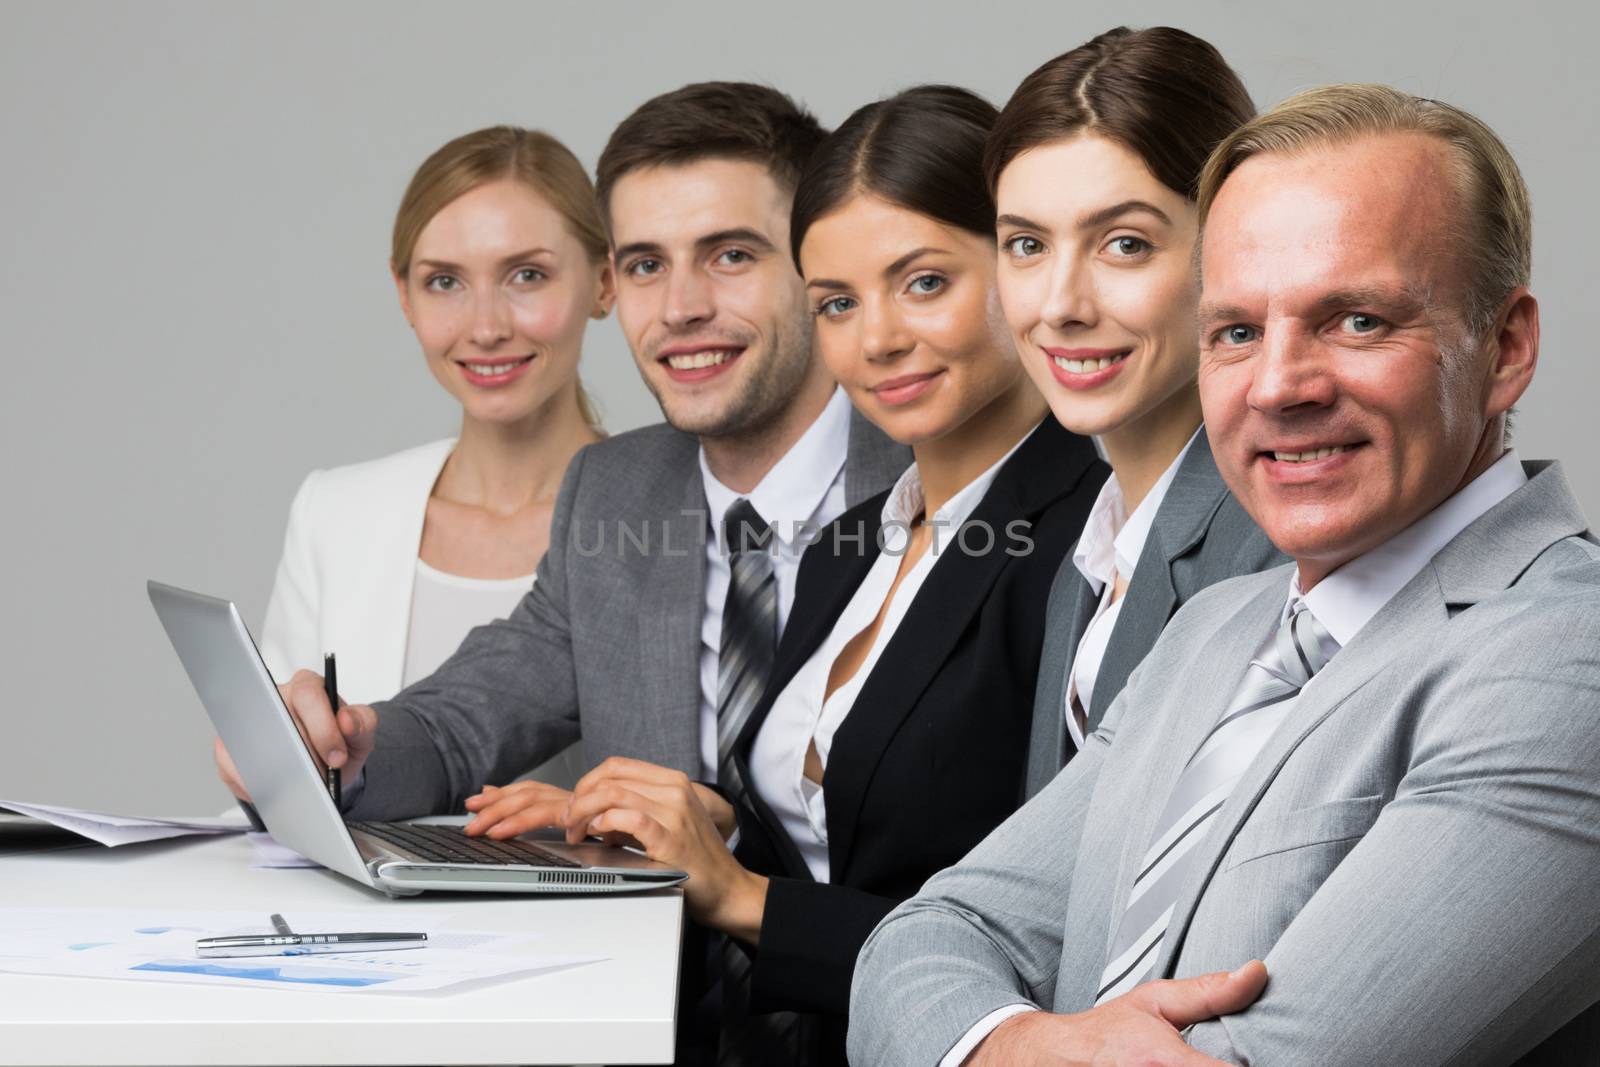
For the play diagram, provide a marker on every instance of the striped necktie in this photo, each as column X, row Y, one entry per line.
column 749, row 640
column 1300, row 648
column 749, row 632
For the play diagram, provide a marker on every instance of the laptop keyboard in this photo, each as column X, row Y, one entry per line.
column 448, row 844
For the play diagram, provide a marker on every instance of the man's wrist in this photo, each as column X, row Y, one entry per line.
column 962, row 1052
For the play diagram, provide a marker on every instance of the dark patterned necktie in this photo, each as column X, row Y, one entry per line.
column 749, row 632
column 744, row 662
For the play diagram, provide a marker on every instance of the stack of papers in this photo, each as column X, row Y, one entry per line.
column 111, row 829
column 158, row 946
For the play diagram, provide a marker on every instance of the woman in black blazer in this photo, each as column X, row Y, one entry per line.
column 892, row 734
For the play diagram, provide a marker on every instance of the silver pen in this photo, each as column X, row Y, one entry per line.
column 288, row 943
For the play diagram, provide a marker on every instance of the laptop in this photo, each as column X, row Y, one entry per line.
column 288, row 789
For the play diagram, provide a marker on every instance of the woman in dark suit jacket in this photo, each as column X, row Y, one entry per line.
column 1094, row 163
column 892, row 734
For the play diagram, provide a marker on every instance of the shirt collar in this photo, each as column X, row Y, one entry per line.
column 1347, row 599
column 906, row 499
column 1112, row 540
column 790, row 493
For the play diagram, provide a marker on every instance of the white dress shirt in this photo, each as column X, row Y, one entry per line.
column 805, row 713
column 1111, row 544
column 803, row 492
column 1344, row 602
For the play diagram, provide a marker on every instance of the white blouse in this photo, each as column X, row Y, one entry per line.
column 803, row 713
column 444, row 607
column 1110, row 545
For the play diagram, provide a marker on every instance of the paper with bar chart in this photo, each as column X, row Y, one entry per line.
column 158, row 946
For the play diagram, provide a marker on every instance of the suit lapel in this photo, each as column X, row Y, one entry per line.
column 672, row 604
column 819, row 601
column 1180, row 523
column 396, row 566
column 1133, row 795
column 1414, row 610
column 958, row 585
column 1485, row 558
column 1067, row 616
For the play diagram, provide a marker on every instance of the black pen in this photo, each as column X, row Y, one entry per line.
column 330, row 685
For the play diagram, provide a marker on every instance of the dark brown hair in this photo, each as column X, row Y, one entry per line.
column 1165, row 95
column 710, row 120
column 921, row 149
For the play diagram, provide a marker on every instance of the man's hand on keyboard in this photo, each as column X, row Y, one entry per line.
column 506, row 811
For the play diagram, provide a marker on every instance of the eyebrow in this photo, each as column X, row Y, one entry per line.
column 890, row 271
column 1095, row 219
column 1021, row 222
column 1395, row 302
column 740, row 234
column 515, row 257
column 1092, row 221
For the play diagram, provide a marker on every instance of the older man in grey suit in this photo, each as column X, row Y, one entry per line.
column 639, row 609
column 1377, row 769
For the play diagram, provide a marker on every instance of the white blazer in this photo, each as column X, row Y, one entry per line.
column 349, row 563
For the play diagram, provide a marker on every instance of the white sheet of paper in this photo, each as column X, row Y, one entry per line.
column 269, row 853
column 112, row 829
column 158, row 946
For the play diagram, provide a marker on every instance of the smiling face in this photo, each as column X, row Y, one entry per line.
column 1095, row 274
column 907, row 317
column 1342, row 393
column 707, row 293
column 498, row 292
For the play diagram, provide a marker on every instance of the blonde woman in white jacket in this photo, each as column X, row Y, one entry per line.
column 500, row 260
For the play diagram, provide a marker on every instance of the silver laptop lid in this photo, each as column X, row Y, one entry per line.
column 239, row 694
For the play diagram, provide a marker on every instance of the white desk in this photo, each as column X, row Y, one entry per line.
column 618, row 1011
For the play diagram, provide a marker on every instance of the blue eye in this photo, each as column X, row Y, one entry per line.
column 924, row 284
column 1023, row 246
column 835, row 306
column 1239, row 335
column 1361, row 322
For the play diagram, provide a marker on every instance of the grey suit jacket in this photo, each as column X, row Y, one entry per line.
column 1200, row 536
column 606, row 645
column 1413, row 854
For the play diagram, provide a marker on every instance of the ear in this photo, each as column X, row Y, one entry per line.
column 1514, row 347
column 403, row 293
column 606, row 297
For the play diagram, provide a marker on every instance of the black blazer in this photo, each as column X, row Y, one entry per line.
column 931, row 756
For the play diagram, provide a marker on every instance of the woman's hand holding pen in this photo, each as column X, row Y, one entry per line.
column 343, row 741
column 677, row 822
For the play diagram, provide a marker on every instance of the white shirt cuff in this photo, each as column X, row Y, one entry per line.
column 980, row 1030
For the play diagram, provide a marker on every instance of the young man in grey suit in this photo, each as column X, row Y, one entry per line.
column 624, row 640
column 1377, row 769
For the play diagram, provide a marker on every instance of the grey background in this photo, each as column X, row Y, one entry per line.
column 196, row 199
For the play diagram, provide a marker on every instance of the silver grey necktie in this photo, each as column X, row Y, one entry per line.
column 1300, row 648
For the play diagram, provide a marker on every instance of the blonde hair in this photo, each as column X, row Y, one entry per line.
column 531, row 157
column 1494, row 234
